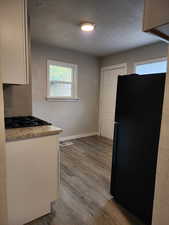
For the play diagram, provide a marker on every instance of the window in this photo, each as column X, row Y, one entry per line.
column 61, row 80
column 152, row 66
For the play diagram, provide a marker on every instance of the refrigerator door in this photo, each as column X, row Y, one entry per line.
column 136, row 138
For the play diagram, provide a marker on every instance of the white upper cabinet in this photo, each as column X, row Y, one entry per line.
column 14, row 42
column 156, row 18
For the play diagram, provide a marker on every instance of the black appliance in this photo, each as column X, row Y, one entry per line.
column 24, row 121
column 136, row 138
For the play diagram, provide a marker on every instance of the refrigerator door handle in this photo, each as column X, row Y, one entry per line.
column 114, row 158
column 115, row 122
column 116, row 125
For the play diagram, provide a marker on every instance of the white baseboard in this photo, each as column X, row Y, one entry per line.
column 77, row 136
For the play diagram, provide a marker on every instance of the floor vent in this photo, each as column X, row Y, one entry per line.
column 66, row 143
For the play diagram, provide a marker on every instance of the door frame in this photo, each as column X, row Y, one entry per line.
column 103, row 69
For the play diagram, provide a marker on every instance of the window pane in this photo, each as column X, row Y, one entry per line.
column 60, row 90
column 154, row 67
column 60, row 73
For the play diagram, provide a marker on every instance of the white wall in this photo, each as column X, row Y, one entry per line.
column 3, row 196
column 75, row 118
column 17, row 100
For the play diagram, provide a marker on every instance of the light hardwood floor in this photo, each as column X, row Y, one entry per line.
column 85, row 185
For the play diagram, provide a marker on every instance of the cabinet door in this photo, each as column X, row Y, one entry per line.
column 156, row 13
column 32, row 178
column 14, row 55
column 156, row 18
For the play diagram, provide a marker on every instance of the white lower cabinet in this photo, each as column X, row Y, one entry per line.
column 32, row 178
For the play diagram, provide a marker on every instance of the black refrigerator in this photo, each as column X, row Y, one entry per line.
column 135, row 144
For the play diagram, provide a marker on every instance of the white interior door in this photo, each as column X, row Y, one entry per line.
column 108, row 89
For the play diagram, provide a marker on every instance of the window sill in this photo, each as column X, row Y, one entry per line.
column 62, row 99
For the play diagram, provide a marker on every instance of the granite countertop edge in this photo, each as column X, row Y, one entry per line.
column 16, row 134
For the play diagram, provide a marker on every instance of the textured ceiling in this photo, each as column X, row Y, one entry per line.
column 118, row 24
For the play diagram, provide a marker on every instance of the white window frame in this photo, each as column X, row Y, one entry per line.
column 74, row 81
column 149, row 61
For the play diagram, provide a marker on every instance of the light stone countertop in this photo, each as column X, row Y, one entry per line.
column 16, row 134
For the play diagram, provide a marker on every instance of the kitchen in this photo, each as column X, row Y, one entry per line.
column 82, row 110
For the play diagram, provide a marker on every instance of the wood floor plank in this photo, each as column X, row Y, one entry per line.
column 85, row 183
